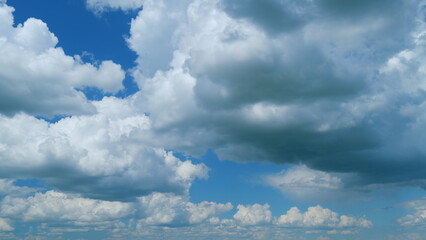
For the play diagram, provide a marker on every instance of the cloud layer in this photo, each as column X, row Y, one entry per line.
column 318, row 216
column 57, row 208
column 170, row 210
column 156, row 209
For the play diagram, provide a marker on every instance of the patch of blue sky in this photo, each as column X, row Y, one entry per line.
column 32, row 183
column 239, row 184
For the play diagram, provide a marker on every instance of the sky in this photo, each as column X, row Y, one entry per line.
column 213, row 119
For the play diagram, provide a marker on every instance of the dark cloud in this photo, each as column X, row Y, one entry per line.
column 302, row 82
column 271, row 15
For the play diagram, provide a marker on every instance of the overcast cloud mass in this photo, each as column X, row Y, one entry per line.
column 315, row 109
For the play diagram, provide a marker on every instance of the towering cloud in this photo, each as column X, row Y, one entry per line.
column 308, row 82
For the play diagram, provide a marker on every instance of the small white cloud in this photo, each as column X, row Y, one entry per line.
column 255, row 214
column 174, row 210
column 418, row 217
column 318, row 216
column 303, row 183
column 5, row 225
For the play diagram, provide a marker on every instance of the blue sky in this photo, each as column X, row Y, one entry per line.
column 212, row 119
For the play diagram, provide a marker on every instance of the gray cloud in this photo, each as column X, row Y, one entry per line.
column 274, row 16
column 337, row 93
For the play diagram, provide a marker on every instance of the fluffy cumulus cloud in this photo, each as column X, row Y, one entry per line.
column 155, row 46
column 106, row 156
column 253, row 214
column 156, row 209
column 334, row 85
column 173, row 210
column 54, row 206
column 39, row 78
column 320, row 217
column 315, row 217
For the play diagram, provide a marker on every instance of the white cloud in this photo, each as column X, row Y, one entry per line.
column 5, row 226
column 157, row 209
column 302, row 183
column 173, row 210
column 155, row 46
column 255, row 214
column 39, row 78
column 55, row 206
column 318, row 216
column 304, row 177
column 314, row 218
column 418, row 217
column 104, row 5
column 7, row 187
column 35, row 35
column 109, row 155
